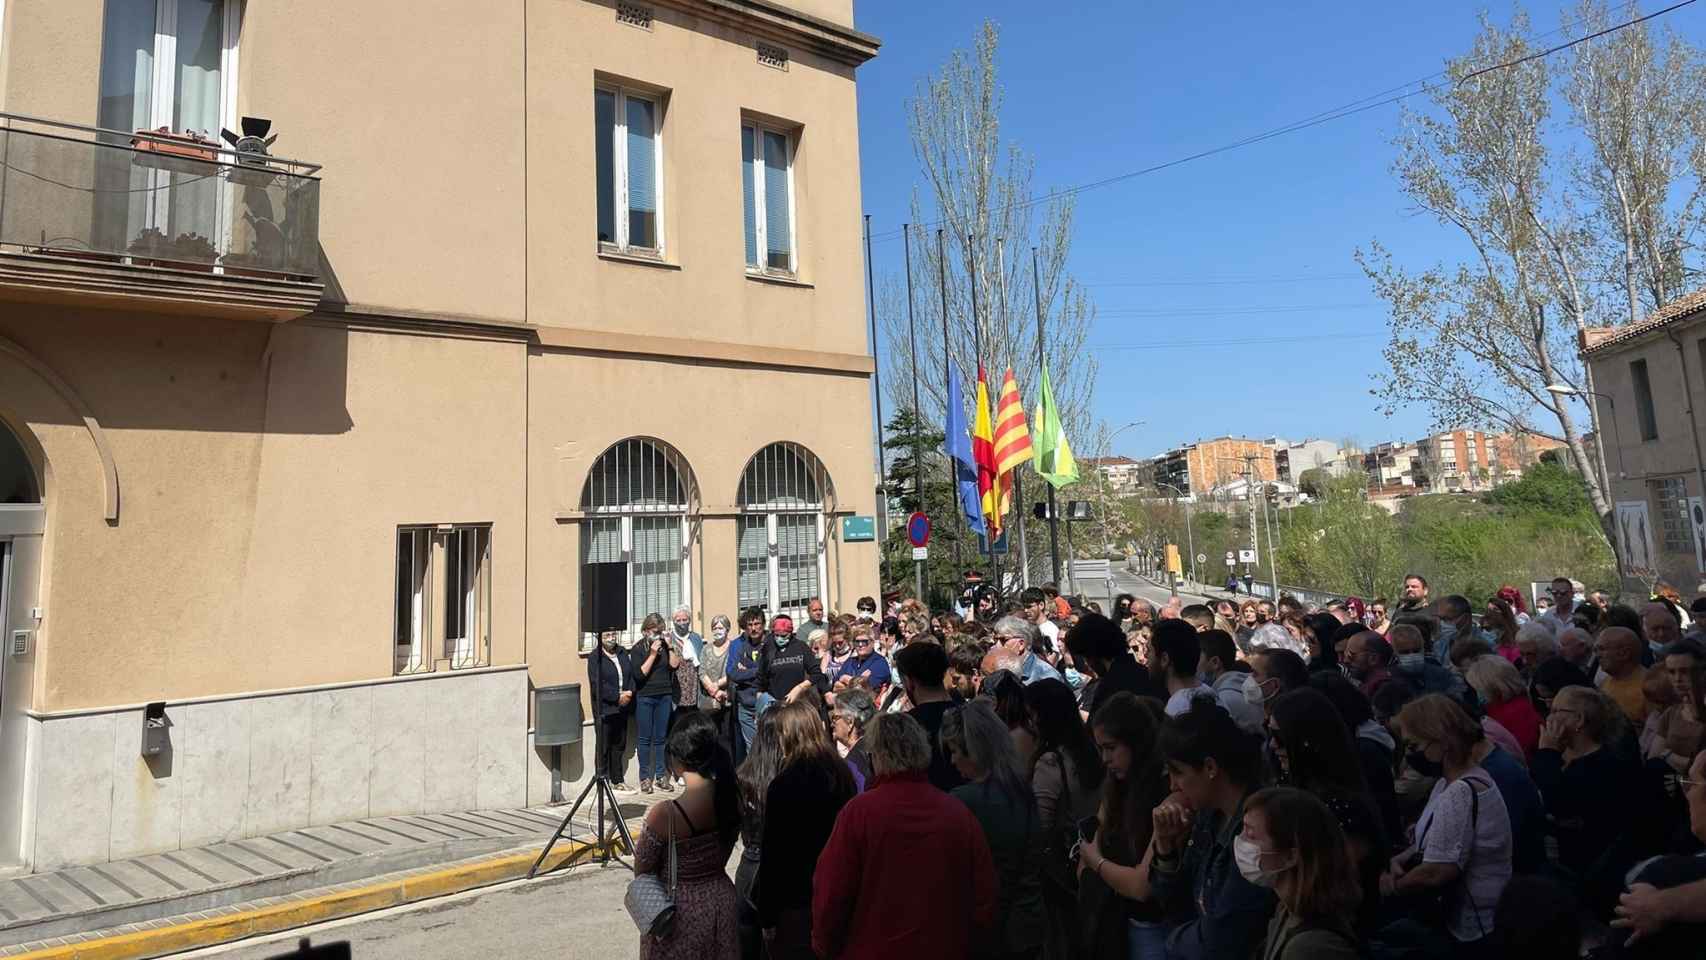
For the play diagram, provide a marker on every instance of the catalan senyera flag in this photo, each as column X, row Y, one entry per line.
column 983, row 452
column 1012, row 440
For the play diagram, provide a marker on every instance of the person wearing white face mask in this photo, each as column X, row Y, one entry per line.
column 713, row 674
column 1293, row 844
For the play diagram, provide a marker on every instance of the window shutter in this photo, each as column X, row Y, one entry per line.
column 642, row 173
column 779, row 236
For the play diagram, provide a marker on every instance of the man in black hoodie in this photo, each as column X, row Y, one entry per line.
column 787, row 665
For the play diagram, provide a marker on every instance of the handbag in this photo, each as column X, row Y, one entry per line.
column 649, row 901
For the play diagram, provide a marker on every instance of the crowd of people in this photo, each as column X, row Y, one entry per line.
column 1035, row 778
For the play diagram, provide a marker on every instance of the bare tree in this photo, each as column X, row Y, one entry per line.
column 1639, row 108
column 1478, row 342
column 978, row 194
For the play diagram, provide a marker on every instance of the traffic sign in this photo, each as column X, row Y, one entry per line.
column 1246, row 556
column 1202, row 558
column 918, row 530
column 920, row 553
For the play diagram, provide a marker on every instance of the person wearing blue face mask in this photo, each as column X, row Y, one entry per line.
column 1421, row 672
column 1455, row 623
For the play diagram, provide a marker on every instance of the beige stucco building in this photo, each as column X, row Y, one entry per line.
column 1650, row 376
column 320, row 455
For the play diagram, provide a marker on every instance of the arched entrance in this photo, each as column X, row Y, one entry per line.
column 21, row 523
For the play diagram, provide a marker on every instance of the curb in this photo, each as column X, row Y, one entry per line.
column 200, row 930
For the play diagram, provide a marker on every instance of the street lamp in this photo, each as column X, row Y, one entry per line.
column 1565, row 390
column 1102, row 478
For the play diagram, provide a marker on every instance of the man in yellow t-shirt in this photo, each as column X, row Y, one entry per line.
column 1620, row 657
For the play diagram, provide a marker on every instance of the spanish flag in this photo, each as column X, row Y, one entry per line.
column 983, row 452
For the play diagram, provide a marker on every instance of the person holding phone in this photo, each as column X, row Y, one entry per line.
column 1120, row 916
column 655, row 662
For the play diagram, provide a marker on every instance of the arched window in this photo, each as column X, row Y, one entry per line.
column 780, row 558
column 17, row 475
column 637, row 499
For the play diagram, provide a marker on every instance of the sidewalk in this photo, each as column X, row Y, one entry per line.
column 165, row 902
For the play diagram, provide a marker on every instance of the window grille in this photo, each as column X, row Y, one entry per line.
column 783, row 497
column 634, row 15
column 771, row 55
column 637, row 498
column 1670, row 496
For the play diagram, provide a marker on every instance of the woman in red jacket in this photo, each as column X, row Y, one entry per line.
column 899, row 838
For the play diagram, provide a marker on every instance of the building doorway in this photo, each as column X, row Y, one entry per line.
column 21, row 525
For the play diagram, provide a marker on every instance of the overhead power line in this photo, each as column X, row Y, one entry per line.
column 1370, row 102
column 1224, row 281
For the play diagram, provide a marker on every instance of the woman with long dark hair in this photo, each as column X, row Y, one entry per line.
column 1066, row 778
column 1315, row 752
column 1189, row 870
column 1116, row 858
column 763, row 760
column 979, row 746
column 809, row 790
column 704, row 822
column 1293, row 844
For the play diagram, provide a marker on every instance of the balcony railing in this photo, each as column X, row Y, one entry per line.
column 155, row 200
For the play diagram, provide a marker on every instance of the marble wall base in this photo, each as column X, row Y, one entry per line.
column 250, row 766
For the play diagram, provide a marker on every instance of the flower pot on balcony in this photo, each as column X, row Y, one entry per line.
column 161, row 149
column 188, row 251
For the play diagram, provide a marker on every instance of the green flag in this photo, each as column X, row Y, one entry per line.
column 1052, row 456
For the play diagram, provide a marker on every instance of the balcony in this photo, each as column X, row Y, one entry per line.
column 157, row 223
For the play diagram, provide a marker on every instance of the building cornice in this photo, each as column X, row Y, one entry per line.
column 679, row 349
column 773, row 21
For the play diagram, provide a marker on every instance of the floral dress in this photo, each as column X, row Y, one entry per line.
column 704, row 897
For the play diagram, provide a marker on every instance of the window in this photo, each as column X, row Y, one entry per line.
column 780, row 560
column 629, row 158
column 1670, row 498
column 1643, row 399
column 637, row 499
column 767, row 186
column 464, row 554
column 467, row 594
column 172, row 64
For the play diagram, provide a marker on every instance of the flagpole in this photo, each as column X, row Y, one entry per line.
column 1018, row 471
column 877, row 389
column 990, row 535
column 917, row 412
column 1053, row 517
column 947, row 378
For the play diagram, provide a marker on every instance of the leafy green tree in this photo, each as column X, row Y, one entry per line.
column 953, row 549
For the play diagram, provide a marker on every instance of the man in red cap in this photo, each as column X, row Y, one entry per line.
column 786, row 666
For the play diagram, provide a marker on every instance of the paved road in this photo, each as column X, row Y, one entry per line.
column 569, row 917
column 1127, row 582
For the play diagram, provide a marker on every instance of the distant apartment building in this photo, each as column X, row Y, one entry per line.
column 1471, row 461
column 1292, row 459
column 1208, row 465
column 1651, row 375
column 1391, row 466
column 1120, row 473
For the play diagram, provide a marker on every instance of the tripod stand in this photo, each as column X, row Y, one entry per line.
column 598, row 788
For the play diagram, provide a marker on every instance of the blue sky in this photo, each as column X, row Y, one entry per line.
column 1096, row 88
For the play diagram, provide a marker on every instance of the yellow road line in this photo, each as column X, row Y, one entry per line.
column 195, row 934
